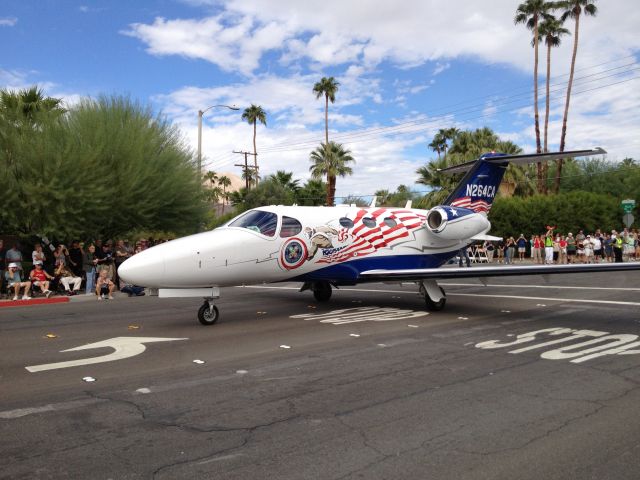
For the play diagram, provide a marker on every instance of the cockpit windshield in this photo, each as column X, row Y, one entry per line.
column 259, row 221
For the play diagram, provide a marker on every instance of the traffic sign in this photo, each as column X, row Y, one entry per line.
column 628, row 219
column 628, row 205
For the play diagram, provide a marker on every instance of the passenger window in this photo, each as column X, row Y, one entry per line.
column 390, row 222
column 346, row 222
column 369, row 222
column 290, row 227
column 258, row 221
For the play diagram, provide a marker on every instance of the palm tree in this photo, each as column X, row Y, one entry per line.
column 448, row 134
column 572, row 9
column 551, row 30
column 327, row 87
column 224, row 182
column 211, row 177
column 253, row 115
column 440, row 183
column 330, row 160
column 286, row 180
column 437, row 144
column 530, row 13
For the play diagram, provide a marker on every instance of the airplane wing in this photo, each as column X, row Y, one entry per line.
column 484, row 236
column 502, row 271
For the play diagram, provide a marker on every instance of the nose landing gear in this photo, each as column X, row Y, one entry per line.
column 208, row 313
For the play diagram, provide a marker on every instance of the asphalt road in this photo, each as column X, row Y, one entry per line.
column 370, row 387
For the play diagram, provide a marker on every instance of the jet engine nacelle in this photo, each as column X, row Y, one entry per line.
column 452, row 223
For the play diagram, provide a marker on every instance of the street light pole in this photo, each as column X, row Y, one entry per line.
column 200, row 114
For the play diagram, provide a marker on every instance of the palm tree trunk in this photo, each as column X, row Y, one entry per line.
column 536, row 116
column 546, row 111
column 255, row 153
column 326, row 119
column 331, row 187
column 566, row 104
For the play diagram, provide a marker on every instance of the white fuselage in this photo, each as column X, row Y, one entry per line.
column 335, row 243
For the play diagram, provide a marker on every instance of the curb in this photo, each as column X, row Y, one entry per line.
column 34, row 301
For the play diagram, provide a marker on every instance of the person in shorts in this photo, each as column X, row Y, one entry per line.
column 13, row 277
column 571, row 248
column 522, row 246
column 40, row 278
column 104, row 286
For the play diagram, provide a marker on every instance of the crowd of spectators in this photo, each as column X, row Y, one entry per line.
column 58, row 269
column 553, row 247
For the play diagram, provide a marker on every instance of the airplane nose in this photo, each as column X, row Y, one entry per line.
column 146, row 269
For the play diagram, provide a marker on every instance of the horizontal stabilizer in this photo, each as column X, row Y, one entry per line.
column 527, row 158
column 501, row 271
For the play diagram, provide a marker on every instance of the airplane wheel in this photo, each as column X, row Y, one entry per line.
column 435, row 306
column 322, row 291
column 208, row 316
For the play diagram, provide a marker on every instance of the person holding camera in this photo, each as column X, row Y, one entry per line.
column 105, row 261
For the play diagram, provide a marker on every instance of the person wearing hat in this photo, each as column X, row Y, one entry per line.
column 13, row 277
column 40, row 278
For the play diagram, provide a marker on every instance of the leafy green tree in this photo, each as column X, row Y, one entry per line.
column 330, row 160
column 572, row 9
column 253, row 115
column 354, row 200
column 327, row 87
column 103, row 169
column 312, row 193
column 569, row 211
column 269, row 192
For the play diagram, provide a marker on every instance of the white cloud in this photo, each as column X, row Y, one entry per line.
column 229, row 41
column 8, row 21
column 440, row 67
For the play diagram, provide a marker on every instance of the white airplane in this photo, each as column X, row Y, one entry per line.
column 323, row 247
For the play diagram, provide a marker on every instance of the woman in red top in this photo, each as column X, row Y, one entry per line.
column 537, row 249
column 563, row 250
column 40, row 278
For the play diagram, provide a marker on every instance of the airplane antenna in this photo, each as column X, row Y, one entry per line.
column 373, row 202
column 409, row 203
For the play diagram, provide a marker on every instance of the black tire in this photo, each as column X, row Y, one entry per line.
column 322, row 291
column 208, row 316
column 435, row 306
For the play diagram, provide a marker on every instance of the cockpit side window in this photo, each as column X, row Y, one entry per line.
column 290, row 227
column 258, row 221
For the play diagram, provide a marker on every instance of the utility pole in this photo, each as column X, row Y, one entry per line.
column 246, row 167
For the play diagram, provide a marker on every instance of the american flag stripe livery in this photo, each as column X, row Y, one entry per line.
column 391, row 226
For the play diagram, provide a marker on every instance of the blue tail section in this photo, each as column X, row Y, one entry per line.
column 479, row 186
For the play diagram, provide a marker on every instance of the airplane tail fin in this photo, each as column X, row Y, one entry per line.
column 479, row 186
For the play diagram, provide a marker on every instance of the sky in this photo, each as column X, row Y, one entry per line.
column 405, row 69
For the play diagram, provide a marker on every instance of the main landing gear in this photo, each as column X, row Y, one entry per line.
column 208, row 313
column 321, row 290
column 434, row 296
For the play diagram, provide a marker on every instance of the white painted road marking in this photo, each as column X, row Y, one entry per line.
column 519, row 297
column 361, row 314
column 600, row 344
column 124, row 347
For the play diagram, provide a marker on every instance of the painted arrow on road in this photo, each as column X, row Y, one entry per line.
column 124, row 347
